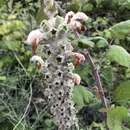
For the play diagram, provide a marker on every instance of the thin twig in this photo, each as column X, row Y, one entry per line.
column 96, row 75
column 98, row 82
column 97, row 78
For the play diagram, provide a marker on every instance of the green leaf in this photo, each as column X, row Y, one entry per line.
column 77, row 97
column 101, row 44
column 127, row 73
column 122, row 92
column 115, row 116
column 121, row 3
column 2, row 78
column 85, row 72
column 11, row 45
column 6, row 61
column 107, row 76
column 1, row 2
column 8, row 27
column 120, row 30
column 82, row 96
column 84, row 42
column 119, row 55
column 87, row 7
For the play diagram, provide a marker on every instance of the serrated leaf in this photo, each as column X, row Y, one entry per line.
column 119, row 55
column 122, row 92
column 82, row 96
column 120, row 30
column 115, row 116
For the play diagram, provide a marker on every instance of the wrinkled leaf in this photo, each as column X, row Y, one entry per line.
column 85, row 73
column 8, row 27
column 119, row 55
column 82, row 96
column 120, row 30
column 101, row 44
column 115, row 116
column 12, row 45
column 84, row 42
column 122, row 92
column 87, row 7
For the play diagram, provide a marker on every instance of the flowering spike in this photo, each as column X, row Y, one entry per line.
column 58, row 76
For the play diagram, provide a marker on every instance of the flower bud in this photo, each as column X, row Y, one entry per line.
column 37, row 60
column 76, row 79
column 78, row 58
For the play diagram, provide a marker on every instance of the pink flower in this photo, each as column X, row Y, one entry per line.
column 69, row 16
column 76, row 79
column 78, row 57
column 34, row 39
column 34, row 36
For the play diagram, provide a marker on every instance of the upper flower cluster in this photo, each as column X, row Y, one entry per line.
column 76, row 21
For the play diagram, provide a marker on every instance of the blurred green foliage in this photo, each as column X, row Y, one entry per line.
column 115, row 117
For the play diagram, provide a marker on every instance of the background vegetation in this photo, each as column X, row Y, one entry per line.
column 22, row 105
